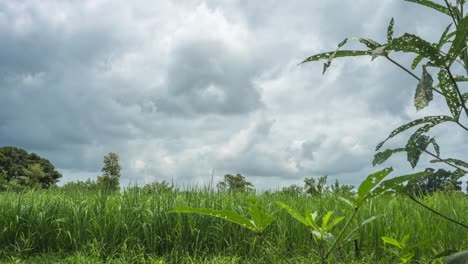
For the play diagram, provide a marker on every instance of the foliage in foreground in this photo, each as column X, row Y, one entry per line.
column 138, row 224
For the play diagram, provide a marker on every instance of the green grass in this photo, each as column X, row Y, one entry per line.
column 89, row 227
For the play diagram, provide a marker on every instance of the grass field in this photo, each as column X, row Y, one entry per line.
column 92, row 227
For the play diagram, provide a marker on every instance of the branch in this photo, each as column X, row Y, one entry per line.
column 437, row 213
column 445, row 161
column 409, row 72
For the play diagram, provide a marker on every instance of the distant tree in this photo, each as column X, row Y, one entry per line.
column 341, row 190
column 293, row 189
column 316, row 187
column 235, row 183
column 440, row 180
column 20, row 169
column 110, row 179
column 88, row 185
column 153, row 188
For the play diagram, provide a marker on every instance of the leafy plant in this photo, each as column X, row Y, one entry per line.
column 404, row 250
column 259, row 221
column 446, row 56
column 451, row 49
column 371, row 187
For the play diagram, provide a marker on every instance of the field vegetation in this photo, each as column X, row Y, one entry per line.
column 135, row 227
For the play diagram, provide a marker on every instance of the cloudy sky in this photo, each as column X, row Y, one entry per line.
column 179, row 89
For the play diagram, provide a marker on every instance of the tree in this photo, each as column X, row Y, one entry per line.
column 235, row 183
column 18, row 168
column 293, row 190
column 316, row 187
column 111, row 173
column 440, row 180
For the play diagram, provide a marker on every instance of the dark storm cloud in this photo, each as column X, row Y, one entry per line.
column 206, row 77
column 181, row 89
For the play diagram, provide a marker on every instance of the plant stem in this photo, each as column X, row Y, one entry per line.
column 460, row 96
column 461, row 125
column 409, row 72
column 437, row 213
column 444, row 161
column 455, row 20
column 341, row 234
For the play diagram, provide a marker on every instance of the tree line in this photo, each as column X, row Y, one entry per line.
column 20, row 170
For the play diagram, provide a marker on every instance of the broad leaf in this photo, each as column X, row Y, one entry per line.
column 432, row 5
column 369, row 183
column 415, row 44
column 391, row 241
column 381, row 157
column 416, row 145
column 434, row 120
column 227, row 215
column 395, row 182
column 334, row 223
column 260, row 218
column 294, row 213
column 423, row 91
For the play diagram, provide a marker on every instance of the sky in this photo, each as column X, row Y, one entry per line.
column 188, row 91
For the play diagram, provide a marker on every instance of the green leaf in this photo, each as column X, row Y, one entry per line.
column 391, row 241
column 415, row 44
column 407, row 257
column 465, row 97
column 423, row 91
column 348, row 202
column 460, row 79
column 434, row 120
column 337, row 54
column 448, row 90
column 453, row 161
column 371, row 44
column 260, row 218
column 459, row 43
column 325, row 219
column 436, row 146
column 395, row 182
column 334, row 223
column 294, row 213
column 458, row 258
column 416, row 61
column 381, row 157
column 227, row 215
column 369, row 183
column 444, row 37
column 405, row 240
column 432, row 5
column 416, row 145
column 390, row 31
